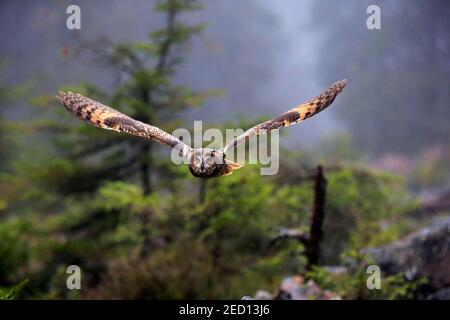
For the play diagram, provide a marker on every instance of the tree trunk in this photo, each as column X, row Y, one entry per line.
column 318, row 215
column 146, row 149
column 202, row 191
column 145, row 168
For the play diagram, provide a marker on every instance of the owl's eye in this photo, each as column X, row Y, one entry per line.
column 209, row 161
column 197, row 160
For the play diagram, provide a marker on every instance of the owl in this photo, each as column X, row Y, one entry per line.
column 202, row 162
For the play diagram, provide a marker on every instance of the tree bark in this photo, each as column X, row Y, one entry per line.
column 146, row 149
column 145, row 169
column 202, row 191
column 318, row 214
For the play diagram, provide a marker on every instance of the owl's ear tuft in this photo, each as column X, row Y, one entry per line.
column 230, row 167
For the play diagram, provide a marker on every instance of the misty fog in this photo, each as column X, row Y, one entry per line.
column 264, row 56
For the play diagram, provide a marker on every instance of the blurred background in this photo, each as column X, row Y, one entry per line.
column 141, row 228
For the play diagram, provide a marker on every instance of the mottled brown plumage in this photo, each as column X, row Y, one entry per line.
column 295, row 115
column 203, row 162
column 105, row 117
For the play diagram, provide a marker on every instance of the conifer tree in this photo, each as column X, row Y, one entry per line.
column 145, row 91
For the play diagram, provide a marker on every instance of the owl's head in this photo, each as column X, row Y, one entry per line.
column 206, row 162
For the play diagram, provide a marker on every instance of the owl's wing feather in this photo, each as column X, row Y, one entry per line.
column 297, row 114
column 105, row 117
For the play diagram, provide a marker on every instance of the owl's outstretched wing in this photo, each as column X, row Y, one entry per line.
column 105, row 117
column 297, row 114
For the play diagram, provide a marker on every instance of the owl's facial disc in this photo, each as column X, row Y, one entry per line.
column 206, row 162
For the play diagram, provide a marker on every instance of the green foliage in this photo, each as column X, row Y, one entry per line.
column 352, row 284
column 218, row 248
column 14, row 292
column 363, row 206
column 431, row 169
column 215, row 248
column 13, row 251
column 398, row 288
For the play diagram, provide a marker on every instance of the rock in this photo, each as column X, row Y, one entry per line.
column 263, row 295
column 443, row 294
column 294, row 288
column 336, row 270
column 291, row 289
column 424, row 253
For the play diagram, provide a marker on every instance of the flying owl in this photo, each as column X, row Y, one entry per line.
column 202, row 162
